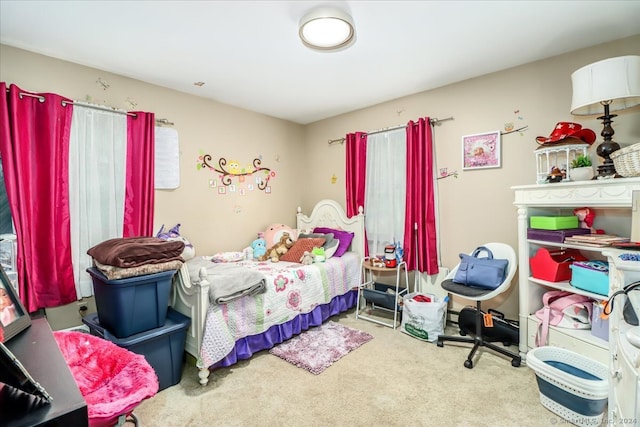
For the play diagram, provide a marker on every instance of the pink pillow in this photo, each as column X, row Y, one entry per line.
column 297, row 250
column 344, row 237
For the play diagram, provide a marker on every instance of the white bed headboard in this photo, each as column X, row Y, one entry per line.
column 329, row 213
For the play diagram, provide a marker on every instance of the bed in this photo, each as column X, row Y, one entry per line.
column 305, row 296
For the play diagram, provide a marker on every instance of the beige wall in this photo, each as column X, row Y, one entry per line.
column 476, row 207
column 212, row 222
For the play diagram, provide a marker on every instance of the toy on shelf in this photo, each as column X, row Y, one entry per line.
column 586, row 216
column 566, row 142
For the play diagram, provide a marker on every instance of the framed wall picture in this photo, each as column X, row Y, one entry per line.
column 481, row 150
column 13, row 317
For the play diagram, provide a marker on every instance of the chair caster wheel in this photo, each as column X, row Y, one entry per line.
column 515, row 362
column 468, row 364
column 463, row 333
column 440, row 344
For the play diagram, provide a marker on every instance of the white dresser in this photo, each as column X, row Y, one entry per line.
column 624, row 383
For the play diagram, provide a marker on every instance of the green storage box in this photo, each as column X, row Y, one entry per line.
column 554, row 222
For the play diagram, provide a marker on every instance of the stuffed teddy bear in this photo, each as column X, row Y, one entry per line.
column 274, row 232
column 279, row 249
column 259, row 247
column 307, row 258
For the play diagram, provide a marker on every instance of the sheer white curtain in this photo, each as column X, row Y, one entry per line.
column 385, row 189
column 97, row 165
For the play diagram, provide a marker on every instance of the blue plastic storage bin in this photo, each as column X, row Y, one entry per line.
column 132, row 305
column 592, row 276
column 162, row 347
column 571, row 385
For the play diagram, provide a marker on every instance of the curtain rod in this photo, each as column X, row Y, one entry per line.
column 434, row 122
column 96, row 107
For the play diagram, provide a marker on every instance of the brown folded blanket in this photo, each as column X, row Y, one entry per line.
column 135, row 251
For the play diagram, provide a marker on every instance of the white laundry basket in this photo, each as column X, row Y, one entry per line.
column 571, row 385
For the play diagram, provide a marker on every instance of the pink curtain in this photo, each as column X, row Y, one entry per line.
column 420, row 205
column 139, row 193
column 356, row 172
column 34, row 145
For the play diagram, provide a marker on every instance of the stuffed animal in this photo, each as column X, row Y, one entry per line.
column 585, row 219
column 318, row 254
column 276, row 251
column 259, row 247
column 274, row 232
column 174, row 234
column 307, row 258
column 556, row 175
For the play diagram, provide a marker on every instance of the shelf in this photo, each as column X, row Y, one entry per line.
column 368, row 266
column 612, row 200
column 566, row 286
column 374, row 297
column 570, row 246
column 579, row 334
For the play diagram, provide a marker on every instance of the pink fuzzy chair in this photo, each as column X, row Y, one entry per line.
column 112, row 379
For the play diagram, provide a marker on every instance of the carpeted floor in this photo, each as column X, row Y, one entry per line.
column 393, row 380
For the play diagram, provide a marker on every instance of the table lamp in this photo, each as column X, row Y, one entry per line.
column 614, row 84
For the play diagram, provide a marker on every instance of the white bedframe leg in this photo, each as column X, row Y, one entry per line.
column 203, row 373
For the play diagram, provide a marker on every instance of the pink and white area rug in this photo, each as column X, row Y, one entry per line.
column 318, row 348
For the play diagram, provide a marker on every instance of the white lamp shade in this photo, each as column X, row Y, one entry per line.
column 326, row 29
column 613, row 79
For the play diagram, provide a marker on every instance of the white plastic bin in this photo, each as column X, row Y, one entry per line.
column 571, row 385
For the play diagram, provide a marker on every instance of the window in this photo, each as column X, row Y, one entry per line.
column 385, row 189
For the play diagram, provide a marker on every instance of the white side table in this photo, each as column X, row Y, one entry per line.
column 379, row 296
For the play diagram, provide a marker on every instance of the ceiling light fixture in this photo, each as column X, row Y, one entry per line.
column 327, row 29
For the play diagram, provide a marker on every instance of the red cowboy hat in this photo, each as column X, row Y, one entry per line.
column 568, row 130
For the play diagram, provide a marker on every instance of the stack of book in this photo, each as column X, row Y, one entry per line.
column 596, row 240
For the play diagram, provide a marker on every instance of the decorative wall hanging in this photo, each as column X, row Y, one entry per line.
column 481, row 150
column 246, row 177
column 510, row 127
column 167, row 159
column 444, row 173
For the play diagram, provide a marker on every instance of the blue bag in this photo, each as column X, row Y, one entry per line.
column 486, row 273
